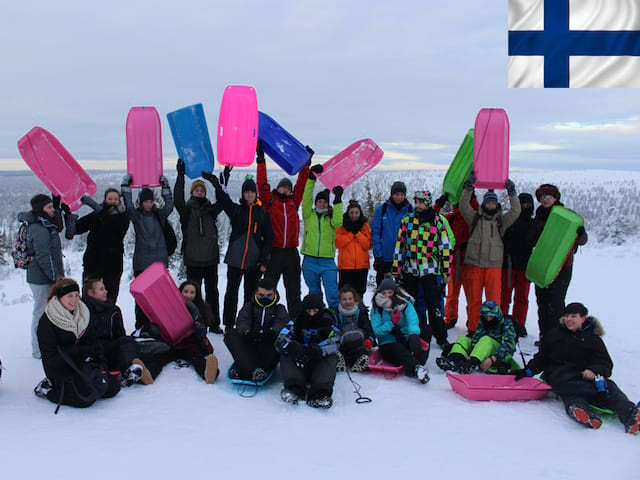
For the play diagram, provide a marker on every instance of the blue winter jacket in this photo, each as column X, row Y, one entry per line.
column 384, row 228
column 382, row 324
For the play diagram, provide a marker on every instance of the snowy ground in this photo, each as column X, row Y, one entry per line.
column 181, row 426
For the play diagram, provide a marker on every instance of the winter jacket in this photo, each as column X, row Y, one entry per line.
column 423, row 246
column 309, row 331
column 199, row 231
column 150, row 243
column 539, row 221
column 485, row 248
column 517, row 248
column 381, row 320
column 564, row 354
column 251, row 237
column 283, row 210
column 43, row 244
column 106, row 319
column 384, row 228
column 319, row 229
column 502, row 331
column 264, row 320
column 353, row 243
column 358, row 321
column 50, row 337
column 105, row 242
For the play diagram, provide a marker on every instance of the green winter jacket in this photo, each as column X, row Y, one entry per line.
column 319, row 229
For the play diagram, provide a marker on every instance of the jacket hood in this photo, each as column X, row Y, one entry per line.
column 590, row 323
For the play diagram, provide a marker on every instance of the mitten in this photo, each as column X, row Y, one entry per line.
column 510, row 187
column 313, row 170
column 338, row 191
column 468, row 183
column 180, row 166
column 259, row 152
column 442, row 199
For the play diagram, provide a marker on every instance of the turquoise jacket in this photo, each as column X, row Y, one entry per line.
column 382, row 324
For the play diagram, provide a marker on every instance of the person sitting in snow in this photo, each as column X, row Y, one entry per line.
column 356, row 335
column 577, row 365
column 491, row 347
column 308, row 346
column 396, row 326
column 257, row 327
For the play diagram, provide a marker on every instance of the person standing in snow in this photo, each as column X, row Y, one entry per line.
column 353, row 241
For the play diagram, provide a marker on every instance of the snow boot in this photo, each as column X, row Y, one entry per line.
column 451, row 323
column 131, row 375
column 583, row 415
column 632, row 425
column 341, row 366
column 422, row 373
column 322, row 402
column 448, row 364
column 258, row 375
column 361, row 363
column 43, row 388
column 289, row 396
column 211, row 368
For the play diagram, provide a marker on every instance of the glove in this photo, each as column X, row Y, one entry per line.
column 164, row 181
column 65, row 208
column 299, row 353
column 126, row 180
column 338, row 191
column 251, row 337
column 225, row 174
column 442, row 199
column 211, row 178
column 523, row 372
column 180, row 167
column 317, row 168
column 56, row 202
column 90, row 202
column 510, row 187
column 468, row 183
column 396, row 315
column 581, row 231
column 259, row 152
column 368, row 344
column 378, row 264
column 396, row 332
column 310, row 150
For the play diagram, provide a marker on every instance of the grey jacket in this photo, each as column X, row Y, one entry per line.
column 43, row 244
column 150, row 243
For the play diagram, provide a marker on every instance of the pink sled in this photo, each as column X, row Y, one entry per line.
column 491, row 148
column 144, row 146
column 501, row 388
column 159, row 298
column 350, row 164
column 55, row 167
column 238, row 126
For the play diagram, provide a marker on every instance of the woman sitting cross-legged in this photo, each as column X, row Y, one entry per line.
column 356, row 335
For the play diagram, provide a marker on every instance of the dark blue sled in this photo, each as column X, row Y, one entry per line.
column 191, row 136
column 281, row 146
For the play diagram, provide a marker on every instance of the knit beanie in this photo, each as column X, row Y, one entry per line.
column 312, row 301
column 424, row 196
column 398, row 187
column 387, row 283
column 489, row 197
column 196, row 184
column 145, row 194
column 249, row 185
column 39, row 201
column 285, row 182
column 324, row 194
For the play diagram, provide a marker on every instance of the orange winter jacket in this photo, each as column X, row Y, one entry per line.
column 353, row 248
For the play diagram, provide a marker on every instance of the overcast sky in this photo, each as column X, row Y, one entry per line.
column 412, row 75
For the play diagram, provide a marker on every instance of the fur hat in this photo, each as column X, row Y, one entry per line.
column 323, row 195
column 249, row 185
column 285, row 182
column 547, row 189
column 398, row 187
column 490, row 197
column 312, row 301
column 39, row 201
column 145, row 194
column 196, row 184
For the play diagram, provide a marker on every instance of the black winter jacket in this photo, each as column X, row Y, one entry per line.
column 106, row 319
column 517, row 249
column 264, row 320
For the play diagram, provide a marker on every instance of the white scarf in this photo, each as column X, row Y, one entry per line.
column 75, row 322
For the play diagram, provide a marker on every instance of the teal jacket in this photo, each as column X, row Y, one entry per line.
column 382, row 324
column 319, row 229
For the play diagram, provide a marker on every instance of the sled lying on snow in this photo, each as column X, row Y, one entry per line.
column 501, row 388
column 377, row 364
column 55, row 167
column 157, row 295
column 247, row 388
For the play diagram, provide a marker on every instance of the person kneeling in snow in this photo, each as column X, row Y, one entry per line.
column 356, row 335
column 308, row 346
column 257, row 327
column 577, row 365
column 396, row 326
column 491, row 347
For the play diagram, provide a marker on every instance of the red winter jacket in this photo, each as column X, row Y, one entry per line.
column 283, row 211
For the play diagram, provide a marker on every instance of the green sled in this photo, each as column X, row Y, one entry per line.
column 459, row 169
column 554, row 245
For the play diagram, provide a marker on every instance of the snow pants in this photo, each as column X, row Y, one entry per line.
column 40, row 294
column 483, row 349
column 520, row 284
column 70, row 391
column 316, row 270
column 475, row 280
column 356, row 278
column 319, row 375
column 249, row 356
column 453, row 293
column 551, row 300
column 234, row 276
column 432, row 292
column 208, row 275
column 409, row 354
column 285, row 262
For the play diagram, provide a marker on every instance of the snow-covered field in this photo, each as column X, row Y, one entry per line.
column 182, row 427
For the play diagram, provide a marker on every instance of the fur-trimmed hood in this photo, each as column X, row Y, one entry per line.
column 590, row 322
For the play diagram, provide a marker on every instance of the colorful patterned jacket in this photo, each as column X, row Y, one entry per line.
column 422, row 248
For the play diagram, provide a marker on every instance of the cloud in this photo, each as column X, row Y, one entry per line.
column 412, row 146
column 534, row 147
column 627, row 125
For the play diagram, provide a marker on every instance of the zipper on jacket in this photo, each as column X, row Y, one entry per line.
column 319, row 232
column 246, row 245
column 284, row 236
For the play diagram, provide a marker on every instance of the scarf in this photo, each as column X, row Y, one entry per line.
column 75, row 322
column 348, row 314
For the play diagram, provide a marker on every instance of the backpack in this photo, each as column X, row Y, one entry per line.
column 21, row 258
column 170, row 239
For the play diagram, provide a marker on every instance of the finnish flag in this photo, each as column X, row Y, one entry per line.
column 574, row 43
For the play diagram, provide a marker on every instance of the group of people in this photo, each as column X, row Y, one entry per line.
column 419, row 253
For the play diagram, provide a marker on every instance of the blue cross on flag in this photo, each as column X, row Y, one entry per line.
column 574, row 43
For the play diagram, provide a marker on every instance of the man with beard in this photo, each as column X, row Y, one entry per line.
column 422, row 254
column 485, row 250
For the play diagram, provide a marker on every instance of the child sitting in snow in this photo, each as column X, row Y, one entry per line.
column 577, row 365
column 356, row 335
column 491, row 347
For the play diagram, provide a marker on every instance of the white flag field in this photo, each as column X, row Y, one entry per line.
column 574, row 43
